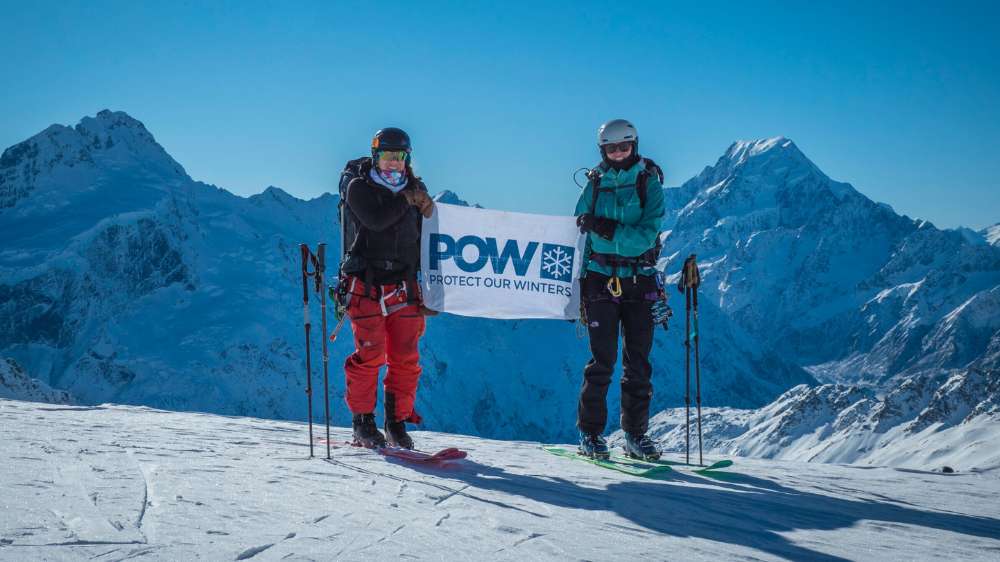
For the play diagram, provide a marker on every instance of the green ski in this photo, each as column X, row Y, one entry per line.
column 633, row 467
column 662, row 462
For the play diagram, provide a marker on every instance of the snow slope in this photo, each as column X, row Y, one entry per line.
column 117, row 482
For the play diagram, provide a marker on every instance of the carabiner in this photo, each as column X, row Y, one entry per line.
column 615, row 286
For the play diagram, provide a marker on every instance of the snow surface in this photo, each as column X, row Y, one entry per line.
column 120, row 482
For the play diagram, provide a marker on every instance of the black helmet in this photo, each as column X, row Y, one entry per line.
column 391, row 138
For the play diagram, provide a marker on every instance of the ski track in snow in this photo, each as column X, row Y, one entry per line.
column 121, row 482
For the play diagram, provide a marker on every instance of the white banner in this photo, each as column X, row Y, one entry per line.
column 495, row 264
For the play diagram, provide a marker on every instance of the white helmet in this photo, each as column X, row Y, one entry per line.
column 616, row 130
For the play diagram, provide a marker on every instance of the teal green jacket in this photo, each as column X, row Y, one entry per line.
column 637, row 227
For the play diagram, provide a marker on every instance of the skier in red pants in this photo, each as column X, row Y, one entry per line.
column 384, row 204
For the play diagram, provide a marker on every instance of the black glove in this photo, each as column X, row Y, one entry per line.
column 605, row 228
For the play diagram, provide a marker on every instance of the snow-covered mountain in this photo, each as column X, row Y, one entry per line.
column 992, row 234
column 452, row 198
column 829, row 278
column 119, row 482
column 904, row 317
column 124, row 280
column 928, row 421
column 15, row 384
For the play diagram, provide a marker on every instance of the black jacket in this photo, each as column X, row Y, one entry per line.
column 387, row 247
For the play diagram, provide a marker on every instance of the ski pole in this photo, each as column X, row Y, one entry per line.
column 320, row 285
column 687, row 375
column 697, row 370
column 691, row 279
column 688, row 284
column 306, row 254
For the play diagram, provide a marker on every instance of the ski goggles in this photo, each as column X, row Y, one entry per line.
column 617, row 147
column 393, row 155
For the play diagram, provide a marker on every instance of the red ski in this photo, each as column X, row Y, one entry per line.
column 444, row 455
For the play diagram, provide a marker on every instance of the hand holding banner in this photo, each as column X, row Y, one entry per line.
column 497, row 264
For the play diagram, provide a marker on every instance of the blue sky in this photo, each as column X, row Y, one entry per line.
column 502, row 103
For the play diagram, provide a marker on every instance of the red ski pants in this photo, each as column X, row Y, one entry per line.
column 381, row 339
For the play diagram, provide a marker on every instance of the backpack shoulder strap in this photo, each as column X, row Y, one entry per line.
column 349, row 233
column 594, row 175
column 643, row 178
column 353, row 169
column 653, row 167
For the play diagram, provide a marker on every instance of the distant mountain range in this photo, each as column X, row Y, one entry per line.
column 123, row 279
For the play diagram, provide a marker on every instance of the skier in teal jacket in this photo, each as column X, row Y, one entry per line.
column 620, row 210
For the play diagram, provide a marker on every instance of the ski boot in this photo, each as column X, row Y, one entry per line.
column 366, row 434
column 395, row 431
column 640, row 447
column 594, row 446
column 395, row 434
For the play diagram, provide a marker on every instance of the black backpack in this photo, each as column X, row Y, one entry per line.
column 349, row 229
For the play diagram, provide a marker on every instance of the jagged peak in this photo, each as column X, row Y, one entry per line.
column 118, row 126
column 277, row 192
column 47, row 167
column 272, row 193
column 774, row 149
column 101, row 125
column 749, row 148
column 449, row 197
column 111, row 119
column 775, row 152
column 776, row 157
column 113, row 133
column 280, row 196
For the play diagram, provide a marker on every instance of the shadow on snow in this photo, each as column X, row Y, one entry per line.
column 728, row 508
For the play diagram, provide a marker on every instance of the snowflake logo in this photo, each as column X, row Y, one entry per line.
column 557, row 262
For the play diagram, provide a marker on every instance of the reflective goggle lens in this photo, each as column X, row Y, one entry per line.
column 392, row 155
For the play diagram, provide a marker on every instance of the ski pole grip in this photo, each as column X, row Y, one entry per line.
column 305, row 272
column 690, row 277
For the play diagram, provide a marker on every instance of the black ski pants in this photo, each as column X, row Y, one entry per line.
column 632, row 312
